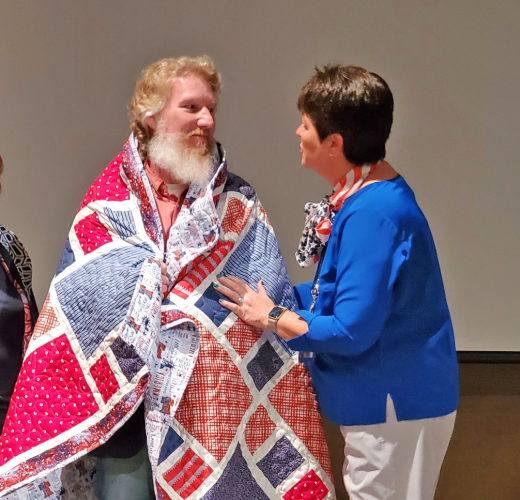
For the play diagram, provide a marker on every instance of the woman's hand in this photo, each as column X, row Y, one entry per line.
column 248, row 305
column 165, row 281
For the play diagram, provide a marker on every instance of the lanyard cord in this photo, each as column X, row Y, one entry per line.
column 315, row 290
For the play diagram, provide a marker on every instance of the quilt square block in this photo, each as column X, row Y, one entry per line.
column 171, row 442
column 187, row 474
column 280, row 462
column 264, row 366
column 104, row 377
column 91, row 233
column 127, row 357
column 311, row 487
column 51, row 397
column 236, row 482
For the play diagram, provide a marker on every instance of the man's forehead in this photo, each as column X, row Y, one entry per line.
column 191, row 85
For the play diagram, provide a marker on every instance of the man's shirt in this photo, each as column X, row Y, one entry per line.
column 169, row 199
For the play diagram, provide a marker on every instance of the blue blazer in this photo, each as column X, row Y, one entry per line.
column 381, row 324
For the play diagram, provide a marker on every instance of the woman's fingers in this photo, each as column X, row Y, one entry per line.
column 235, row 284
column 261, row 288
column 235, row 308
column 229, row 292
column 251, row 306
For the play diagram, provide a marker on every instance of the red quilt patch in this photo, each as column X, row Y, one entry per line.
column 105, row 379
column 46, row 321
column 240, row 337
column 236, row 216
column 108, row 186
column 258, row 429
column 303, row 400
column 51, row 397
column 311, row 487
column 91, row 233
column 215, row 399
column 187, row 474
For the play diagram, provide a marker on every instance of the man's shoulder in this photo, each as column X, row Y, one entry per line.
column 239, row 185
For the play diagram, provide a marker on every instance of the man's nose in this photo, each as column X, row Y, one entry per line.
column 206, row 119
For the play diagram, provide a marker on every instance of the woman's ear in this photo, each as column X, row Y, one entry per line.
column 335, row 144
column 151, row 122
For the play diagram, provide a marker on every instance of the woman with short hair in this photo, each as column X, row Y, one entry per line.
column 374, row 326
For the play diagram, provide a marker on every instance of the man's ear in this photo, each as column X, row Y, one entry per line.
column 151, row 122
column 334, row 144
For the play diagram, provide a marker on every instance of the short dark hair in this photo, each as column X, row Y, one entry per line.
column 354, row 103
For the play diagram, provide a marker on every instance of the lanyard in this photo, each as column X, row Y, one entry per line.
column 315, row 292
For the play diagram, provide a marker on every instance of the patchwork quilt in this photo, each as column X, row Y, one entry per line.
column 229, row 411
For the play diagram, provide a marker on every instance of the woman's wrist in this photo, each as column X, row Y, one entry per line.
column 274, row 316
column 291, row 325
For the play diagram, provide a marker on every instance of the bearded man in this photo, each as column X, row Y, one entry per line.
column 228, row 410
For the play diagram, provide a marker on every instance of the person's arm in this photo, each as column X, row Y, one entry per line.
column 370, row 254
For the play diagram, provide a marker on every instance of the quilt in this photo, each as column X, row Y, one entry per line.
column 229, row 410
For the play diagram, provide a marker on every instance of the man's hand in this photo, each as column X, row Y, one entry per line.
column 248, row 305
column 165, row 281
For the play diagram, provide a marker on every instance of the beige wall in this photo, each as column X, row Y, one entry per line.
column 67, row 69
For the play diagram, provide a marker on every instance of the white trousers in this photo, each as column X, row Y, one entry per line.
column 395, row 460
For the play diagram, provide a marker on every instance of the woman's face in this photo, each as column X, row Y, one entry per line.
column 311, row 148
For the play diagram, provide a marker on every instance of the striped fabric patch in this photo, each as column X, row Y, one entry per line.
column 122, row 221
column 187, row 474
column 101, row 303
column 260, row 246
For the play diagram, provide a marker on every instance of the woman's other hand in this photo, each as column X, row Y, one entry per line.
column 250, row 306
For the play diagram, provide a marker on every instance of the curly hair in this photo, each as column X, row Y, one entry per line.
column 354, row 103
column 153, row 89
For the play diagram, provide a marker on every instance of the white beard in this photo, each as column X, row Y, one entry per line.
column 173, row 153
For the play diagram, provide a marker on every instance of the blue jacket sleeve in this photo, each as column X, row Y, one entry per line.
column 303, row 295
column 369, row 254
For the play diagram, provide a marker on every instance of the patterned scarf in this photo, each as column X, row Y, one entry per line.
column 20, row 258
column 319, row 216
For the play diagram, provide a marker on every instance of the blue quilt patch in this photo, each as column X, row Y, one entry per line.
column 236, row 481
column 171, row 442
column 209, row 305
column 122, row 221
column 67, row 258
column 104, row 289
column 281, row 461
column 258, row 258
column 264, row 365
column 127, row 358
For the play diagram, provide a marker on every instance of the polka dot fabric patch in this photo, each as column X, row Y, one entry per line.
column 108, row 186
column 311, row 487
column 51, row 396
column 91, row 233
